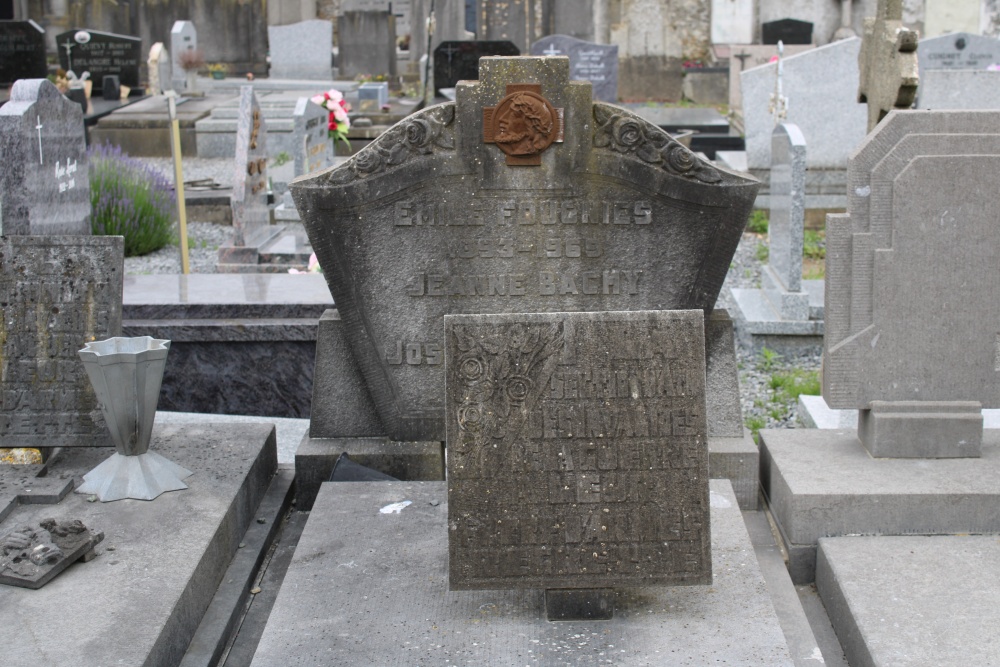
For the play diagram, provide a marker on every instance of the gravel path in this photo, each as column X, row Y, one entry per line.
column 763, row 406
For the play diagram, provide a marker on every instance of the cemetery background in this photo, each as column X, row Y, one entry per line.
column 767, row 401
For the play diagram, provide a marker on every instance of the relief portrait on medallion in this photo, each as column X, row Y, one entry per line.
column 525, row 124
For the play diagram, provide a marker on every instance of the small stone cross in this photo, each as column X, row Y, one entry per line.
column 39, row 128
column 888, row 63
column 779, row 103
column 552, row 51
column 742, row 57
column 21, row 485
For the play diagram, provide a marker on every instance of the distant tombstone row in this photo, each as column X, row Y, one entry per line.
column 596, row 63
column 459, row 61
column 22, row 51
column 101, row 54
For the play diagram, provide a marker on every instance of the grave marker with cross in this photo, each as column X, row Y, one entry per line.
column 888, row 63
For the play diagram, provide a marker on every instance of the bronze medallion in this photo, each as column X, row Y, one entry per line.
column 522, row 125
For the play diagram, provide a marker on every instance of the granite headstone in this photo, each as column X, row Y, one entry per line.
column 524, row 195
column 959, row 50
column 459, row 61
column 101, row 53
column 596, row 63
column 313, row 150
column 788, row 31
column 301, row 50
column 577, row 453
column 249, row 198
column 911, row 315
column 367, row 44
column 44, row 183
column 747, row 56
column 828, row 115
column 22, row 51
column 183, row 39
column 787, row 217
column 58, row 293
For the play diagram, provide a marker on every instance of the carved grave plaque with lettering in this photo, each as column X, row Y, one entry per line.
column 429, row 220
column 102, row 54
column 577, row 453
column 44, row 184
column 57, row 294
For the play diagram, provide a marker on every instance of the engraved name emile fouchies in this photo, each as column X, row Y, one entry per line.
column 577, row 450
column 523, row 124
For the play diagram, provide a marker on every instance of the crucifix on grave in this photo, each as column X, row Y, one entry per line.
column 68, row 45
column 888, row 63
column 742, row 57
column 38, row 127
column 552, row 51
column 779, row 103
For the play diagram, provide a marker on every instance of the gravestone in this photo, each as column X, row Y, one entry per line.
column 596, row 63
column 788, row 31
column 44, row 183
column 367, row 44
column 249, row 199
column 313, row 151
column 301, row 50
column 183, row 39
column 918, row 362
column 577, row 454
column 401, row 9
column 111, row 88
column 58, row 293
column 159, row 66
column 101, row 54
column 22, row 51
column 459, row 61
column 828, row 115
column 887, row 62
column 372, row 95
column 732, row 21
column 492, row 205
column 959, row 50
column 747, row 56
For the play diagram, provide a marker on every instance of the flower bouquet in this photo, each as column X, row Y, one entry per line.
column 337, row 122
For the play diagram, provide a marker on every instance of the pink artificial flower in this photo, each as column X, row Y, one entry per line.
column 313, row 263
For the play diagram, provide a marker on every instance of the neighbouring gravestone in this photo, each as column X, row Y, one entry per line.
column 22, row 51
column 887, row 62
column 828, row 115
column 747, row 56
column 787, row 31
column 251, row 218
column 596, row 63
column 101, row 53
column 159, row 67
column 313, row 152
column 372, row 95
column 577, row 454
column 732, row 21
column 183, row 39
column 459, row 61
column 911, row 315
column 786, row 223
column 367, row 44
column 301, row 50
column 44, row 183
column 58, row 293
column 959, row 50
column 524, row 195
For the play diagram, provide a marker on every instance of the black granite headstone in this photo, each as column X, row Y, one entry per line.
column 101, row 53
column 788, row 31
column 524, row 195
column 459, row 61
column 597, row 63
column 111, row 88
column 22, row 51
column 577, row 451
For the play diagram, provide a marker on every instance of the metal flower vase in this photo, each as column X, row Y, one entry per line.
column 126, row 374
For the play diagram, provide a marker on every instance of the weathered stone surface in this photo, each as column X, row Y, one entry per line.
column 44, row 183
column 732, row 21
column 887, row 62
column 959, row 89
column 301, row 50
column 459, row 61
column 101, row 54
column 249, row 198
column 22, row 51
column 183, row 38
column 596, row 63
column 577, row 454
column 32, row 556
column 430, row 220
column 367, row 44
column 58, row 293
column 158, row 68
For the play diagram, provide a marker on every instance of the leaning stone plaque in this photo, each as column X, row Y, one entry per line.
column 577, row 453
column 523, row 196
column 44, row 184
column 58, row 293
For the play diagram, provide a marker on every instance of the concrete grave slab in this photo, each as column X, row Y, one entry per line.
column 912, row 601
column 558, row 420
column 140, row 600
column 362, row 548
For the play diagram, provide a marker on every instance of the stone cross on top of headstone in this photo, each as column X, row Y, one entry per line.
column 249, row 199
column 44, row 183
column 432, row 218
column 888, row 63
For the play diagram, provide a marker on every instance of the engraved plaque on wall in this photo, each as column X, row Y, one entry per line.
column 58, row 293
column 577, row 453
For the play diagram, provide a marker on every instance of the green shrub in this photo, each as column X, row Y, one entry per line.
column 758, row 222
column 813, row 244
column 789, row 385
column 129, row 198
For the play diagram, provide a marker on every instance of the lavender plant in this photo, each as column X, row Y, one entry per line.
column 131, row 199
